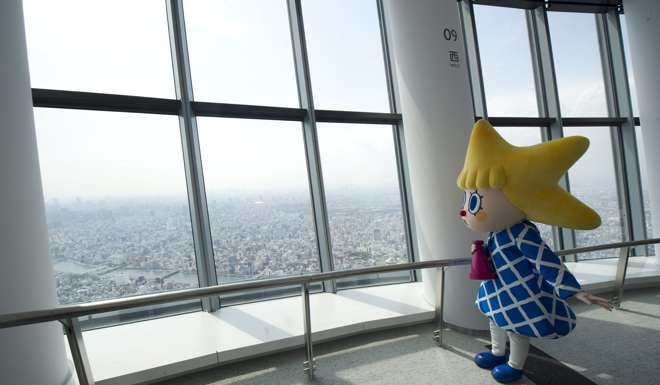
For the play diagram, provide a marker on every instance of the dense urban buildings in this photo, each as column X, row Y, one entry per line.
column 115, row 248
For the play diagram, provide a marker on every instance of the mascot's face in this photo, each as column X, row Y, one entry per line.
column 486, row 210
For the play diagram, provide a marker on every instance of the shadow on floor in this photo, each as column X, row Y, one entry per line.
column 639, row 313
column 256, row 327
column 384, row 303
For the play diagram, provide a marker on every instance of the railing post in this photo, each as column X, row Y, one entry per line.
column 440, row 309
column 621, row 270
column 309, row 365
column 78, row 351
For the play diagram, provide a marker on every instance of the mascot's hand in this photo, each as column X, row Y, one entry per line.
column 591, row 299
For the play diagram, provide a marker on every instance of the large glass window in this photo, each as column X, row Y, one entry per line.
column 258, row 198
column 506, row 61
column 116, row 204
column 118, row 207
column 345, row 55
column 578, row 64
column 569, row 57
column 240, row 52
column 117, row 47
column 362, row 194
column 593, row 181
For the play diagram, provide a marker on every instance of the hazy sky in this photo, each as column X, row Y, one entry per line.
column 241, row 52
column 507, row 67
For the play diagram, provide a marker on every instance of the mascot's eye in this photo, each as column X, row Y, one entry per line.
column 474, row 203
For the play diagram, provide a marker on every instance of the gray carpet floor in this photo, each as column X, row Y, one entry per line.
column 621, row 347
column 398, row 356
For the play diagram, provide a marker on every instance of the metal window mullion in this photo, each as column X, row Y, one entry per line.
column 624, row 144
column 360, row 117
column 520, row 121
column 97, row 101
column 474, row 59
column 548, row 98
column 312, row 153
column 399, row 142
column 615, row 131
column 201, row 228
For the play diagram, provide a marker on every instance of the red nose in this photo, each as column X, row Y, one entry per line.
column 462, row 213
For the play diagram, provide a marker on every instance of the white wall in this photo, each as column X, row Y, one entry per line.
column 30, row 355
column 437, row 113
column 643, row 22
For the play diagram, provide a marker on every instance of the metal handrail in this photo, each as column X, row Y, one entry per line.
column 608, row 246
column 83, row 309
column 68, row 315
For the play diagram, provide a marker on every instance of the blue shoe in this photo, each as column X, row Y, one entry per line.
column 505, row 374
column 487, row 360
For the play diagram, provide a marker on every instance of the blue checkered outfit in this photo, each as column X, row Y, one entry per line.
column 528, row 296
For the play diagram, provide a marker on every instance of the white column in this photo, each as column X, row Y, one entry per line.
column 29, row 355
column 643, row 22
column 435, row 100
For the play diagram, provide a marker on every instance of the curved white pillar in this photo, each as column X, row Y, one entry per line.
column 29, row 355
column 435, row 100
column 643, row 22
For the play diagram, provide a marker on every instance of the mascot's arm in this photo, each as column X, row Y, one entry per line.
column 547, row 263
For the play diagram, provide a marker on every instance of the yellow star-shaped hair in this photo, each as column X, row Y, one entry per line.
column 528, row 176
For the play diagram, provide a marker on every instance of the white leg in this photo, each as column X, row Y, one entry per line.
column 497, row 340
column 519, row 350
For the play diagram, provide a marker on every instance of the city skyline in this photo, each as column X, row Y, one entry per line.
column 118, row 248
